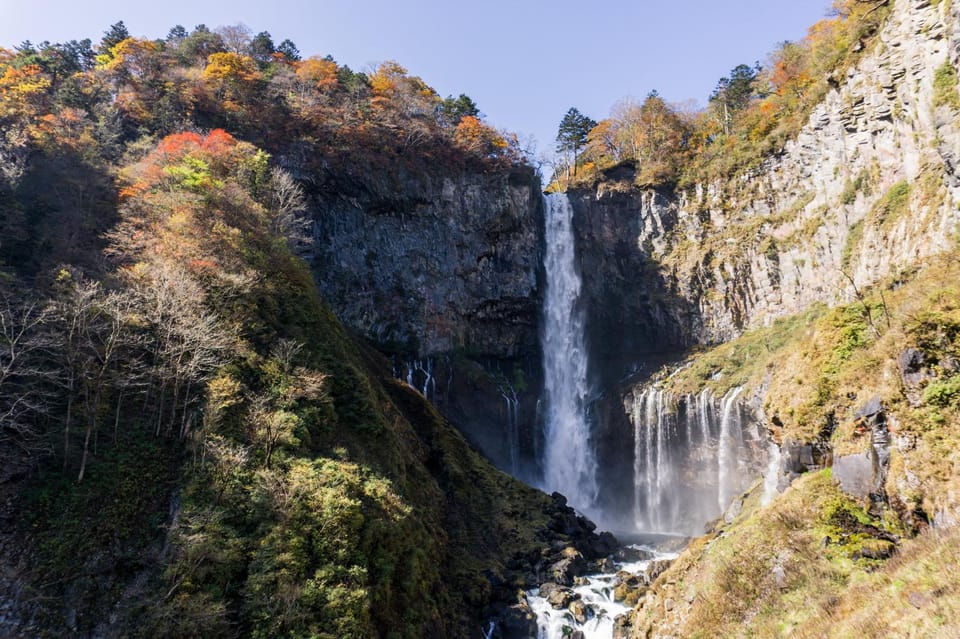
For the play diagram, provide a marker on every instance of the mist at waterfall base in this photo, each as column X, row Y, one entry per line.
column 691, row 454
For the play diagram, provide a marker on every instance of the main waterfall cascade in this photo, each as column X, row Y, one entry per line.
column 569, row 462
column 692, row 455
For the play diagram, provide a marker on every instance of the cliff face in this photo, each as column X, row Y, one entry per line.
column 442, row 272
column 866, row 189
column 435, row 264
column 849, row 236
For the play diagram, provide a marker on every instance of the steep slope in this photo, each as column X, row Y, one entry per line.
column 283, row 482
column 866, row 188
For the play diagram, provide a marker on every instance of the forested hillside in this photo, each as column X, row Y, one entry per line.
column 751, row 114
column 192, row 445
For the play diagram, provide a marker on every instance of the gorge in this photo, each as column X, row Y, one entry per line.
column 289, row 350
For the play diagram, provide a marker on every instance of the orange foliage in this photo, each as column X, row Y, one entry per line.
column 70, row 128
column 473, row 135
column 317, row 72
column 177, row 144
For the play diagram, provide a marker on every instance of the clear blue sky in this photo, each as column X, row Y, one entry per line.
column 524, row 62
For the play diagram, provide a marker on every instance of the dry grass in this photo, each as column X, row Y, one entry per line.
column 791, row 569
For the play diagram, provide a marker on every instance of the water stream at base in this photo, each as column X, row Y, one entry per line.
column 597, row 594
column 569, row 462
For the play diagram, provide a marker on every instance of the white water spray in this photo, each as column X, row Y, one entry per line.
column 771, row 477
column 569, row 461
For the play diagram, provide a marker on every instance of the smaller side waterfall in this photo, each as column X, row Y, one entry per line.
column 419, row 376
column 512, row 408
column 731, row 438
column 692, row 455
column 771, row 477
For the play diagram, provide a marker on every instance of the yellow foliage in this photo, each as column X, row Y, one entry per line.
column 229, row 67
column 386, row 79
column 22, row 91
column 131, row 55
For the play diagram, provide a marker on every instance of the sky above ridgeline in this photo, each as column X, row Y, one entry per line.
column 524, row 62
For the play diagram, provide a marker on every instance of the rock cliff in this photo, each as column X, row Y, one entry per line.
column 826, row 216
column 866, row 192
column 442, row 271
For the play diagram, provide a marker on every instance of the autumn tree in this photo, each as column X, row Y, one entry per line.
column 452, row 109
column 262, row 48
column 289, row 50
column 113, row 36
column 25, row 377
column 200, row 45
column 572, row 134
column 273, row 414
column 236, row 38
column 232, row 78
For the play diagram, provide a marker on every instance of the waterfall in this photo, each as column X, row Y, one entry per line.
column 655, row 433
column 692, row 455
column 727, row 448
column 423, row 370
column 771, row 478
column 512, row 405
column 569, row 462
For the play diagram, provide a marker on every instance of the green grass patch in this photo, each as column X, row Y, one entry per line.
column 891, row 206
column 945, row 86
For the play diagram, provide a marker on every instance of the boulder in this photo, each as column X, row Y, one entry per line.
column 876, row 549
column 912, row 364
column 629, row 554
column 873, row 407
column 517, row 622
column 604, row 566
column 855, row 474
column 622, row 626
column 656, row 568
column 580, row 611
column 628, row 588
column 560, row 598
column 629, row 593
column 566, row 567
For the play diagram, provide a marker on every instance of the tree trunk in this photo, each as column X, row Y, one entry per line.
column 83, row 460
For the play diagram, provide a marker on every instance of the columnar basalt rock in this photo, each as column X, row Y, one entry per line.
column 824, row 217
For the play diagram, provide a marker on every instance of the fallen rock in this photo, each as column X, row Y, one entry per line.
column 557, row 596
column 876, row 549
column 656, row 568
column 580, row 611
column 629, row 554
column 855, row 474
column 621, row 627
column 517, row 622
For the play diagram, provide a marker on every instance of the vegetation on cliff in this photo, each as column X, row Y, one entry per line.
column 750, row 115
column 200, row 448
column 812, row 563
